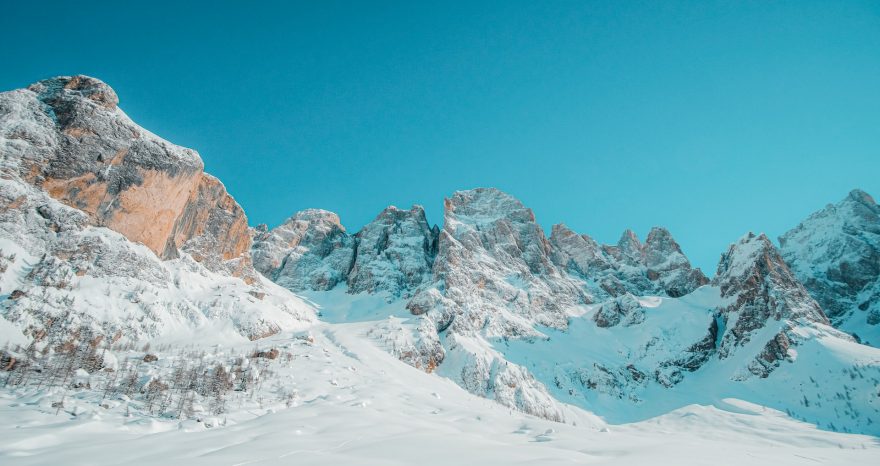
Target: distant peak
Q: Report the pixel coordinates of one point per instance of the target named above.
(483, 205)
(316, 216)
(629, 240)
(658, 234)
(861, 197)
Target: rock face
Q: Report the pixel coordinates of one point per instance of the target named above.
(836, 254)
(493, 278)
(310, 251)
(108, 228)
(763, 294)
(67, 136)
(657, 267)
(395, 253)
(625, 308)
(494, 264)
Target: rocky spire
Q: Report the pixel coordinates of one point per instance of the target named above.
(668, 266)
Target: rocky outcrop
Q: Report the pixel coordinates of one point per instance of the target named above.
(493, 278)
(836, 254)
(494, 269)
(761, 293)
(67, 136)
(625, 308)
(668, 267)
(657, 267)
(309, 251)
(108, 229)
(395, 253)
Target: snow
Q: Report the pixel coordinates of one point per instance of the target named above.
(356, 404)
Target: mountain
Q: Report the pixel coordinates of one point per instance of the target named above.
(131, 283)
(529, 321)
(656, 267)
(836, 254)
(108, 228)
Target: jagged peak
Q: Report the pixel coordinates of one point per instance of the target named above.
(861, 197)
(395, 213)
(747, 253)
(630, 244)
(561, 228)
(80, 85)
(658, 234)
(315, 216)
(485, 205)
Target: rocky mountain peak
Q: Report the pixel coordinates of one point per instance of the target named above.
(579, 254)
(835, 252)
(667, 264)
(483, 206)
(309, 251)
(80, 86)
(760, 292)
(861, 197)
(67, 136)
(395, 252)
(91, 201)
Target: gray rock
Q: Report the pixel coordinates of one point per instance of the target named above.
(836, 254)
(395, 253)
(309, 251)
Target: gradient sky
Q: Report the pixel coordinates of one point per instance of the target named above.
(710, 118)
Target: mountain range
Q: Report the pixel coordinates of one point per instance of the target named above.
(112, 237)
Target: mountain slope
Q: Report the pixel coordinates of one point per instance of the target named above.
(621, 330)
(836, 254)
(109, 229)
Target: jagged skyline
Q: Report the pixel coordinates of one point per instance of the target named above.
(707, 121)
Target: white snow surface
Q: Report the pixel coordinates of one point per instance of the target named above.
(354, 403)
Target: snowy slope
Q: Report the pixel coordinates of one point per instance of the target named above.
(353, 403)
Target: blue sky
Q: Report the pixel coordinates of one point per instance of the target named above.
(709, 118)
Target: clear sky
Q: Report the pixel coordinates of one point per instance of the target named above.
(709, 118)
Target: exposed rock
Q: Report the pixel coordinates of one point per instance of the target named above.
(493, 278)
(657, 267)
(310, 251)
(7, 361)
(668, 266)
(67, 136)
(395, 253)
(761, 292)
(494, 264)
(91, 204)
(150, 357)
(836, 254)
(624, 308)
(270, 354)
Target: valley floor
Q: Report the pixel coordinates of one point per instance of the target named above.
(353, 403)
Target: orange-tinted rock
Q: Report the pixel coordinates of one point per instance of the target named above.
(97, 160)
